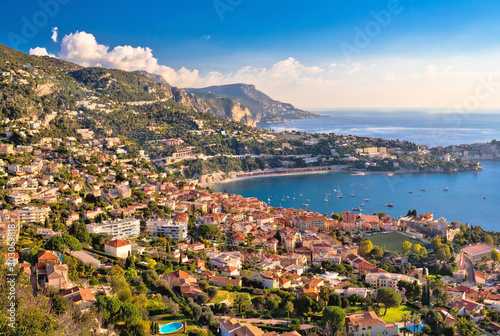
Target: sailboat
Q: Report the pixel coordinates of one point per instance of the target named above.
(283, 199)
(339, 193)
(328, 193)
(352, 194)
(326, 198)
(268, 198)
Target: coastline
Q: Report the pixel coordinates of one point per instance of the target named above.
(339, 171)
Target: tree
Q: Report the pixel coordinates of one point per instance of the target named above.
(334, 299)
(405, 318)
(416, 319)
(488, 240)
(495, 256)
(334, 318)
(288, 309)
(60, 304)
(149, 276)
(212, 292)
(436, 243)
(365, 247)
(203, 284)
(406, 247)
(388, 297)
(241, 300)
(377, 252)
(443, 253)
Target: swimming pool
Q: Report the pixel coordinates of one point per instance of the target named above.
(171, 327)
(417, 329)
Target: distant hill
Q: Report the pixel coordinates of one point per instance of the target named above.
(33, 86)
(262, 107)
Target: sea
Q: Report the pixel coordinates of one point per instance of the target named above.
(471, 197)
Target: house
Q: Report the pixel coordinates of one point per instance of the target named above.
(230, 271)
(56, 276)
(360, 324)
(268, 280)
(231, 327)
(467, 307)
(118, 248)
(79, 296)
(447, 318)
(86, 258)
(224, 281)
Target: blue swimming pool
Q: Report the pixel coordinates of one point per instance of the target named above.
(171, 327)
(417, 328)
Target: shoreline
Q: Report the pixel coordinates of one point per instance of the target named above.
(341, 171)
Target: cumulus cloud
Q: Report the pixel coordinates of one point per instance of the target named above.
(401, 82)
(38, 51)
(54, 34)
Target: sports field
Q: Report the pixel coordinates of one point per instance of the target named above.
(392, 241)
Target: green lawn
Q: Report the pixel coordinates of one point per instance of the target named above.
(392, 241)
(393, 314)
(223, 295)
(167, 318)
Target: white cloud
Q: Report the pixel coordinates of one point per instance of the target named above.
(38, 51)
(393, 82)
(54, 34)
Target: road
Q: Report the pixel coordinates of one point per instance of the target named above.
(469, 267)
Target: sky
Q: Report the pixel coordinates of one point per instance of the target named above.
(314, 54)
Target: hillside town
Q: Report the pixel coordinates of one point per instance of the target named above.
(138, 249)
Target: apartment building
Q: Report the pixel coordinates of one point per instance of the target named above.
(390, 280)
(119, 229)
(32, 214)
(307, 222)
(164, 227)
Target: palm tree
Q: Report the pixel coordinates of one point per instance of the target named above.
(405, 317)
(438, 318)
(288, 308)
(416, 319)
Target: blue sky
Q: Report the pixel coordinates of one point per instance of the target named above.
(263, 41)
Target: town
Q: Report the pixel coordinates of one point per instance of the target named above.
(115, 239)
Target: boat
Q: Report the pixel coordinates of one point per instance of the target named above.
(390, 205)
(367, 200)
(358, 174)
(305, 204)
(326, 198)
(329, 193)
(390, 174)
(446, 189)
(294, 198)
(352, 184)
(268, 198)
(352, 194)
(361, 205)
(308, 200)
(410, 192)
(339, 193)
(300, 194)
(288, 197)
(423, 189)
(356, 209)
(419, 195)
(283, 199)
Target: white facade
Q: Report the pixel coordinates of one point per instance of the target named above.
(120, 229)
(163, 228)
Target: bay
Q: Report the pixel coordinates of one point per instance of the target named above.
(465, 201)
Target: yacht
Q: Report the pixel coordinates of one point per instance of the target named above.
(352, 194)
(361, 205)
(446, 189)
(410, 192)
(283, 199)
(390, 205)
(339, 193)
(423, 189)
(305, 204)
(356, 209)
(367, 200)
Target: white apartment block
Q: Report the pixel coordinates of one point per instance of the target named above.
(119, 229)
(33, 214)
(164, 227)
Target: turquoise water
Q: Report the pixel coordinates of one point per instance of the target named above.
(417, 329)
(427, 127)
(463, 202)
(171, 327)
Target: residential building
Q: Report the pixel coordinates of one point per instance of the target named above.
(390, 280)
(362, 324)
(33, 214)
(308, 222)
(118, 248)
(79, 296)
(163, 228)
(120, 228)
